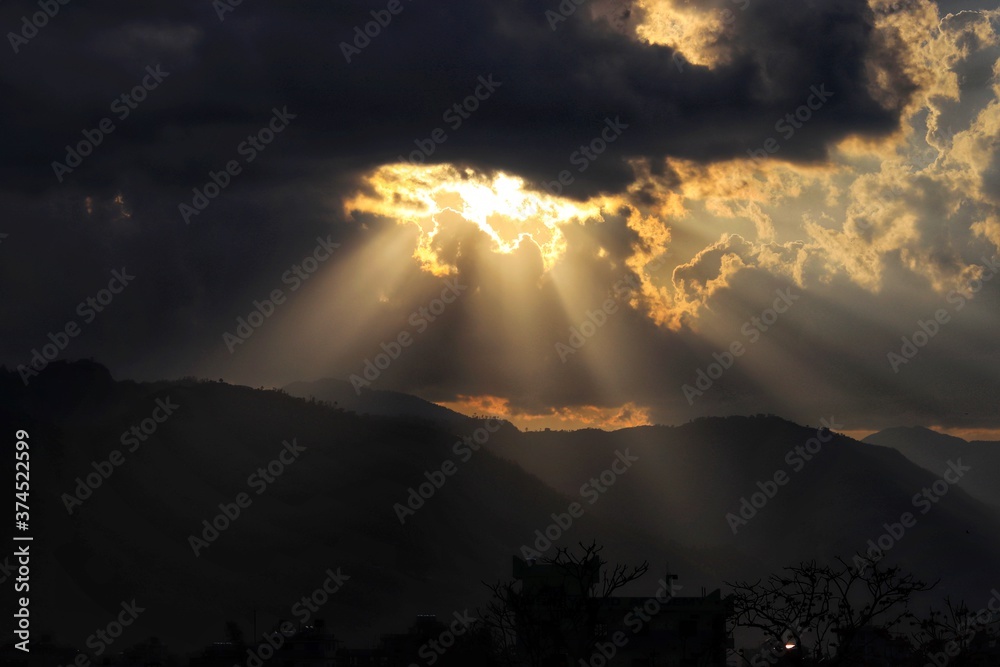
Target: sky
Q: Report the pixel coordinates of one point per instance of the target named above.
(601, 214)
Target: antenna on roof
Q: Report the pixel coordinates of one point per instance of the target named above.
(668, 580)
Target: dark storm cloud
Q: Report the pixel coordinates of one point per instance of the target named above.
(557, 86)
(225, 77)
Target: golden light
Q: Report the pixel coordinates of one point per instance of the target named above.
(432, 197)
(575, 417)
(970, 434)
(692, 31)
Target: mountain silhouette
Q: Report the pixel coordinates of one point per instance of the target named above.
(336, 505)
(689, 478)
(932, 451)
(376, 401)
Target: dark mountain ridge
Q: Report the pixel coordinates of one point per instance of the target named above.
(331, 507)
(334, 506)
(932, 451)
(376, 402)
(692, 478)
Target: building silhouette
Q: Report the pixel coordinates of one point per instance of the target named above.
(559, 605)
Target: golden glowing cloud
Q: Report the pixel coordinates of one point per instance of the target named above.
(689, 29)
(723, 191)
(431, 197)
(565, 418)
(916, 197)
(925, 52)
(970, 434)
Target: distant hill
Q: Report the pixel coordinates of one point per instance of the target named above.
(688, 478)
(332, 508)
(932, 451)
(376, 402)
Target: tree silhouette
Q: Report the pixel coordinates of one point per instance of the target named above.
(534, 624)
(822, 609)
(955, 633)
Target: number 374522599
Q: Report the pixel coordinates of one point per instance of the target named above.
(22, 476)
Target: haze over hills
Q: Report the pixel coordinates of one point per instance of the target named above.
(833, 501)
(445, 284)
(932, 450)
(334, 506)
(375, 401)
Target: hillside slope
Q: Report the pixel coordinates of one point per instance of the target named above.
(331, 507)
(690, 481)
(932, 451)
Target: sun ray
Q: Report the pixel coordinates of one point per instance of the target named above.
(498, 204)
